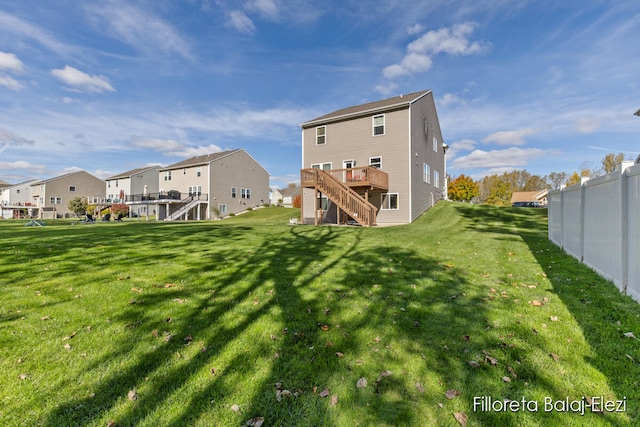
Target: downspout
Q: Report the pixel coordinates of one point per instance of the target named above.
(302, 189)
(410, 169)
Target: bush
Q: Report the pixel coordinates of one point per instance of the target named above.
(297, 201)
(232, 214)
(249, 209)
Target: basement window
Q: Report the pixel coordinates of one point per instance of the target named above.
(389, 201)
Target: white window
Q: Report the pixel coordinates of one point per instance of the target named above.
(378, 125)
(321, 135)
(426, 172)
(222, 209)
(198, 170)
(375, 162)
(116, 183)
(323, 166)
(234, 192)
(72, 188)
(436, 179)
(426, 127)
(245, 193)
(167, 175)
(389, 201)
(195, 190)
(55, 200)
(435, 144)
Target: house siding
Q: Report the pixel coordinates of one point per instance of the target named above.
(425, 195)
(86, 185)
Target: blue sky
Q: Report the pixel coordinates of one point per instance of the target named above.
(109, 86)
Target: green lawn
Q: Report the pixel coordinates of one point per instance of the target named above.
(219, 323)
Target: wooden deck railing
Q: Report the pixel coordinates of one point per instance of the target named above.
(366, 176)
(344, 197)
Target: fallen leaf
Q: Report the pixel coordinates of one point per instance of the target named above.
(324, 393)
(324, 327)
(554, 356)
(474, 364)
(111, 424)
(334, 400)
(461, 418)
(235, 408)
(362, 383)
(506, 379)
(255, 422)
(45, 318)
(629, 335)
(330, 344)
(178, 300)
(67, 346)
(492, 360)
(384, 374)
(377, 339)
(420, 387)
(281, 394)
(132, 395)
(169, 285)
(452, 393)
(536, 303)
(138, 290)
(339, 354)
(22, 376)
(630, 358)
(512, 372)
(554, 318)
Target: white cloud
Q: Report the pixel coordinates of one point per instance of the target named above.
(10, 83)
(386, 89)
(451, 41)
(82, 81)
(464, 145)
(508, 158)
(267, 8)
(449, 99)
(415, 29)
(171, 147)
(23, 165)
(587, 125)
(141, 29)
(241, 22)
(513, 137)
(10, 62)
(11, 24)
(10, 138)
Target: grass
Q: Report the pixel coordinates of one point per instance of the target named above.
(207, 323)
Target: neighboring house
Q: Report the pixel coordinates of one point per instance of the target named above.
(49, 198)
(210, 186)
(382, 162)
(288, 194)
(276, 197)
(134, 187)
(530, 198)
(15, 199)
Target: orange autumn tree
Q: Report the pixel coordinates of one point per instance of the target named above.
(463, 189)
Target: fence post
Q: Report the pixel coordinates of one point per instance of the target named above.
(624, 211)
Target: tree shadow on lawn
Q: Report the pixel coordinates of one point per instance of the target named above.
(379, 303)
(601, 311)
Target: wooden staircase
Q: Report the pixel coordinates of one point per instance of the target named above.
(347, 199)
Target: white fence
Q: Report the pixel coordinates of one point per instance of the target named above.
(598, 222)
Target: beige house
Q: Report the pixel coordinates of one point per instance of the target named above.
(49, 198)
(135, 188)
(378, 163)
(530, 198)
(210, 186)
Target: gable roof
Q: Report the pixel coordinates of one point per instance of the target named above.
(289, 191)
(199, 160)
(397, 102)
(132, 172)
(44, 181)
(4, 184)
(528, 196)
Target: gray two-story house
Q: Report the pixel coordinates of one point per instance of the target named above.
(383, 162)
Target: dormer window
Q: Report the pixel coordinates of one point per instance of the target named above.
(321, 135)
(378, 125)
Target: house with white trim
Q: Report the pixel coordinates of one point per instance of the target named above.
(382, 162)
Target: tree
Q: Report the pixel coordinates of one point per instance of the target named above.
(463, 189)
(611, 161)
(557, 179)
(500, 194)
(78, 205)
(297, 201)
(574, 179)
(119, 208)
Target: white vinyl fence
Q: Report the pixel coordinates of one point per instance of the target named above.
(598, 222)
